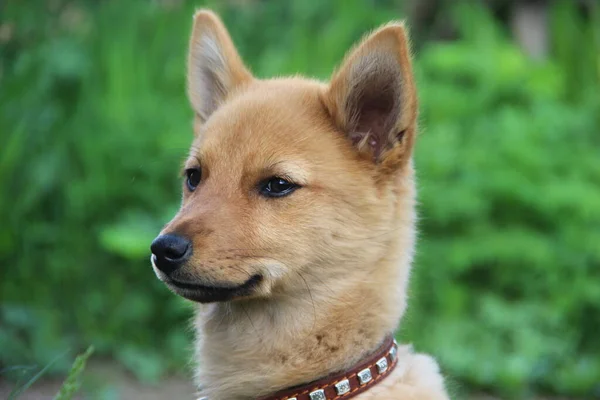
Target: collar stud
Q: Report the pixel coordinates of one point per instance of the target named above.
(342, 387)
(318, 395)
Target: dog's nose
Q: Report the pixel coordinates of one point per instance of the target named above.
(170, 252)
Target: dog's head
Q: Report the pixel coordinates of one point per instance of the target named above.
(288, 179)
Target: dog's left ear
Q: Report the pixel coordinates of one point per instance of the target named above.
(372, 96)
(215, 69)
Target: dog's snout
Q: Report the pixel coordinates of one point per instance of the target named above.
(170, 252)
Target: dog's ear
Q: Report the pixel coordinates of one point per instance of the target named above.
(215, 69)
(372, 96)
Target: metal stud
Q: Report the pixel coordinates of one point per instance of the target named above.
(291, 398)
(364, 376)
(317, 395)
(342, 387)
(382, 365)
(393, 353)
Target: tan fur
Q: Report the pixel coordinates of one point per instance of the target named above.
(335, 255)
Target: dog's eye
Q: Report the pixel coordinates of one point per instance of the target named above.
(193, 178)
(277, 187)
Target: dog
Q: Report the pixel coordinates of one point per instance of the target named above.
(297, 225)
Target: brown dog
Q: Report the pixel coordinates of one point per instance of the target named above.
(297, 226)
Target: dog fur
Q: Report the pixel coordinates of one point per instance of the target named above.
(334, 256)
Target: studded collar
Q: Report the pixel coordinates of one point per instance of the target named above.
(347, 384)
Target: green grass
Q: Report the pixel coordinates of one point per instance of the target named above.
(69, 388)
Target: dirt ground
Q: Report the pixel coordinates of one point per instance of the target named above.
(172, 388)
(108, 381)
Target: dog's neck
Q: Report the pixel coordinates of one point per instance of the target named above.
(248, 349)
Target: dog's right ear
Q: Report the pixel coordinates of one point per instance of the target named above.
(215, 69)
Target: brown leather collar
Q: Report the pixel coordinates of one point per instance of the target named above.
(348, 384)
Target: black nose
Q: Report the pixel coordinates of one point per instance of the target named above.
(170, 252)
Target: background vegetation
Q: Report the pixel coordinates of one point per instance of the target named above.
(94, 124)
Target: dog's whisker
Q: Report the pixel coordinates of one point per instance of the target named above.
(258, 335)
(311, 299)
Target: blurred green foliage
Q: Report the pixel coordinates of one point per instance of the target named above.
(94, 124)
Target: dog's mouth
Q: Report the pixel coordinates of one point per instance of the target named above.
(202, 293)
